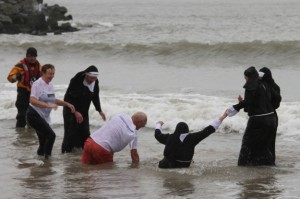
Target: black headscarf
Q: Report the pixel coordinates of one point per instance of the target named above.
(174, 141)
(275, 89)
(80, 75)
(91, 68)
(181, 128)
(252, 81)
(267, 75)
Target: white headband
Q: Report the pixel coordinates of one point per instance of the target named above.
(92, 74)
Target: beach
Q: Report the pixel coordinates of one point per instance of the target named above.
(176, 61)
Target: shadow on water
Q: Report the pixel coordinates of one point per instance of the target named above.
(39, 176)
(178, 186)
(265, 187)
(25, 137)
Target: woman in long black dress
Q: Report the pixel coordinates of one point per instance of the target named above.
(257, 102)
(83, 89)
(276, 99)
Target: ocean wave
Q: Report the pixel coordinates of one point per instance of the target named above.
(89, 24)
(278, 53)
(165, 48)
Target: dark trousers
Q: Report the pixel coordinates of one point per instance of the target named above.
(22, 103)
(44, 132)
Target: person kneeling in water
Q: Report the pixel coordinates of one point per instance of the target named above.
(180, 145)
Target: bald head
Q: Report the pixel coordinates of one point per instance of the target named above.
(139, 119)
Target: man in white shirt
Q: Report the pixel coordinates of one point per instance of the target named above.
(118, 132)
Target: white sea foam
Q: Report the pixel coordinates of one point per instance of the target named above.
(196, 110)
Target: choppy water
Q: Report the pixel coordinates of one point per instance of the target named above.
(177, 61)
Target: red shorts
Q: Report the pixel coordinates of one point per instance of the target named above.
(93, 153)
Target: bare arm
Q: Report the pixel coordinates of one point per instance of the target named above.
(134, 156)
(64, 103)
(102, 114)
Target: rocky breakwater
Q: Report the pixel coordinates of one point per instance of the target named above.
(33, 17)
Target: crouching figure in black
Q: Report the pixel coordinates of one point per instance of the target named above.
(180, 145)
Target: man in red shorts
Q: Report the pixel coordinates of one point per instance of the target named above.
(118, 132)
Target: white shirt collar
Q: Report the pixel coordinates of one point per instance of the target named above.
(90, 86)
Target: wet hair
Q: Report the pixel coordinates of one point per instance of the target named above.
(46, 67)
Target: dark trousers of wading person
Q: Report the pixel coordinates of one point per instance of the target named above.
(22, 104)
(43, 130)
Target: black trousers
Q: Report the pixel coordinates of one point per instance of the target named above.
(43, 130)
(22, 103)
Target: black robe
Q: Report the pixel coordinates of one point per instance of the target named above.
(276, 100)
(81, 97)
(178, 154)
(255, 149)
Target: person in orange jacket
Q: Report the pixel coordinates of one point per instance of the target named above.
(25, 72)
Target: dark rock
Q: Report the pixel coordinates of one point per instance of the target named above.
(66, 27)
(5, 19)
(9, 9)
(33, 17)
(57, 32)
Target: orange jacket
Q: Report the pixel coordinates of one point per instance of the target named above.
(24, 74)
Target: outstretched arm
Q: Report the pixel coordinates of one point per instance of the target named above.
(221, 118)
(60, 102)
(201, 135)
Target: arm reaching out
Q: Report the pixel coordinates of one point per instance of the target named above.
(223, 116)
(217, 122)
(231, 111)
(159, 124)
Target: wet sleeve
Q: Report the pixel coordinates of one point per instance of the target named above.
(231, 111)
(73, 92)
(276, 97)
(133, 143)
(14, 74)
(239, 106)
(248, 100)
(96, 98)
(35, 91)
(160, 137)
(201, 135)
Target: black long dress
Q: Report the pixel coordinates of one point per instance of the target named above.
(255, 149)
(276, 99)
(81, 97)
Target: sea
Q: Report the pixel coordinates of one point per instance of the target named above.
(175, 60)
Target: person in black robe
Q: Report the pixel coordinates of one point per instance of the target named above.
(266, 76)
(180, 145)
(83, 89)
(257, 102)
